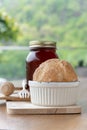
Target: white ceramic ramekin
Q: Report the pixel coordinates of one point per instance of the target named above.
(54, 93)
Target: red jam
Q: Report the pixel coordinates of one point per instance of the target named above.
(37, 55)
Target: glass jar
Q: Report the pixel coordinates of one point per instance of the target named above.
(40, 51)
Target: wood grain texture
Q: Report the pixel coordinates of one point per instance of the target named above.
(13, 98)
(29, 108)
(42, 122)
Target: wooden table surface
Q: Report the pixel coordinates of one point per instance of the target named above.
(47, 122)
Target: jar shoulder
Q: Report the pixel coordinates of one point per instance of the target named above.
(41, 55)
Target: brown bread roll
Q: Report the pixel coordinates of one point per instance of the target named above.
(55, 70)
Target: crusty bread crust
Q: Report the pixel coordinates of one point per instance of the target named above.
(55, 70)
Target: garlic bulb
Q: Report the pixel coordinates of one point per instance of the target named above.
(7, 88)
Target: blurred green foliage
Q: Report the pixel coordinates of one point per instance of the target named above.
(12, 64)
(64, 21)
(9, 29)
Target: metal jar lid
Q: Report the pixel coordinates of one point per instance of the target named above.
(36, 44)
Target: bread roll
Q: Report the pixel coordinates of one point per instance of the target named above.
(55, 70)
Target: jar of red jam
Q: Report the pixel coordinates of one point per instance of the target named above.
(40, 51)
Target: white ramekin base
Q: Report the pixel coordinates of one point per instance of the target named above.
(53, 94)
